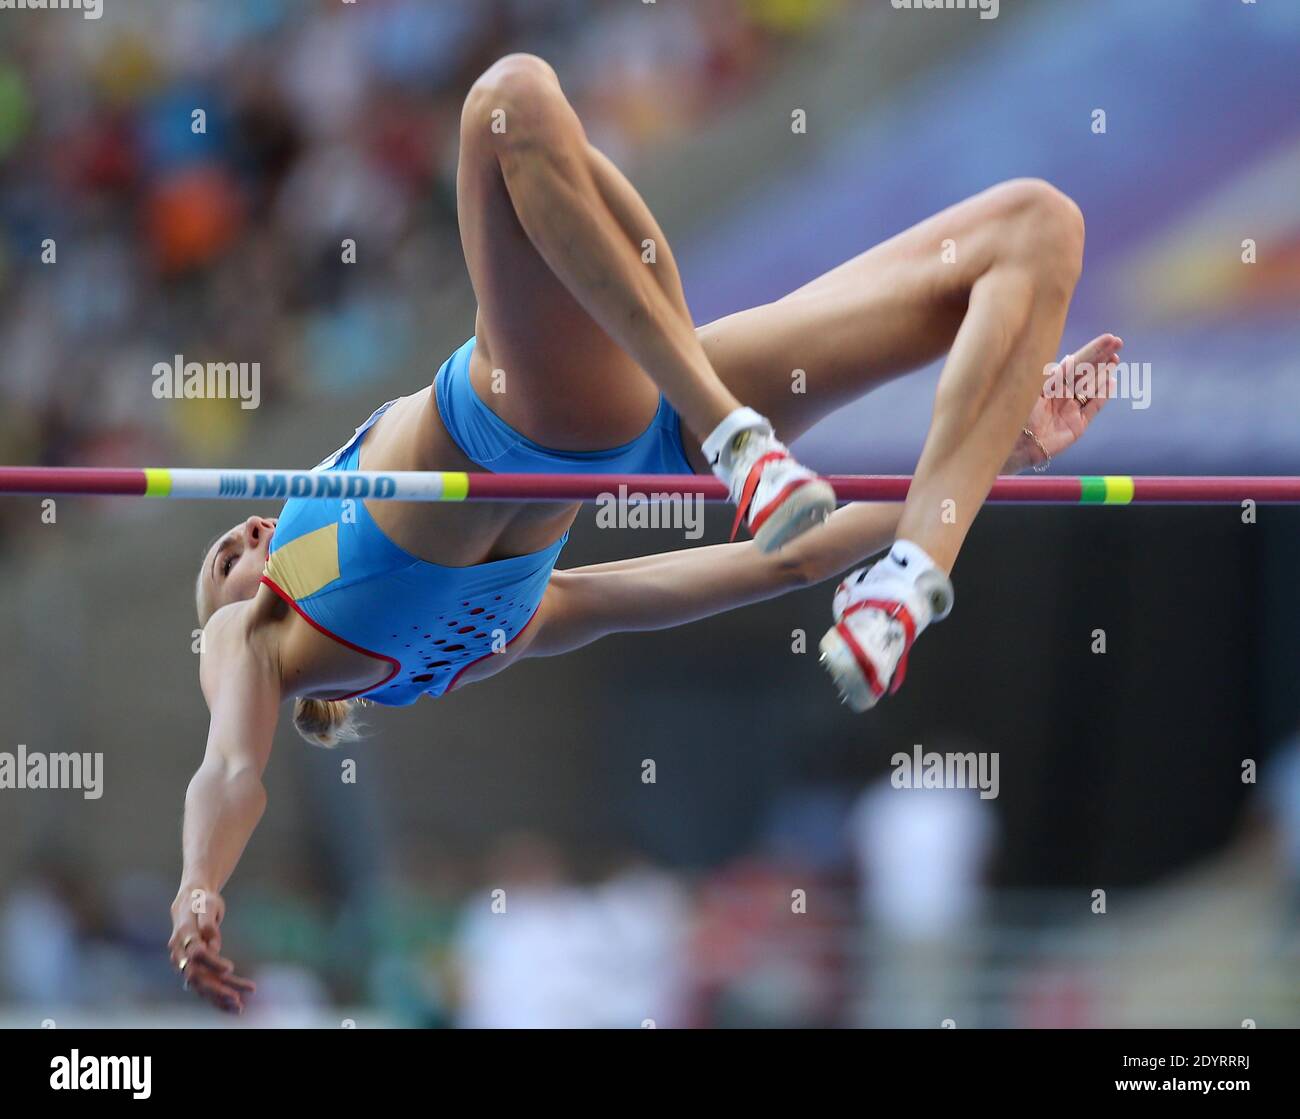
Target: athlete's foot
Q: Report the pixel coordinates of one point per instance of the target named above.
(879, 613)
(776, 497)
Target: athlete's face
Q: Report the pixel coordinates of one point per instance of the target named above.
(233, 566)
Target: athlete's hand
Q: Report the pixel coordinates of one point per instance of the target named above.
(195, 948)
(1059, 417)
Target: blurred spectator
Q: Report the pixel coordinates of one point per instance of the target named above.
(549, 953)
(1281, 799)
(763, 951)
(922, 856)
(47, 922)
(39, 934)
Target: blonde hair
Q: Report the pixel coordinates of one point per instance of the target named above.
(327, 722)
(322, 722)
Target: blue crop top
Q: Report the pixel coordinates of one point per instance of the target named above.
(337, 568)
(428, 623)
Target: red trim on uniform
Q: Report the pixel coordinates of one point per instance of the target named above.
(466, 667)
(397, 665)
(751, 486)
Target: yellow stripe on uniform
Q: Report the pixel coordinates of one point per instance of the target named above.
(306, 565)
(455, 485)
(157, 481)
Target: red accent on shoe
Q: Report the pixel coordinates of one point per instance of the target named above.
(751, 484)
(864, 662)
(776, 502)
(894, 610)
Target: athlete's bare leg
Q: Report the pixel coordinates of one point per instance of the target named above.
(580, 305)
(995, 302)
(989, 281)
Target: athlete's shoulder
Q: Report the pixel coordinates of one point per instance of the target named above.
(243, 627)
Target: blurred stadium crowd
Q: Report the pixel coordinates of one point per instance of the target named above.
(874, 910)
(221, 240)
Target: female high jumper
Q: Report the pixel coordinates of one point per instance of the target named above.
(584, 359)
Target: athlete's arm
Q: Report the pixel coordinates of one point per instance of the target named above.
(585, 604)
(224, 801)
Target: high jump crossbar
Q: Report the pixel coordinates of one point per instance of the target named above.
(279, 485)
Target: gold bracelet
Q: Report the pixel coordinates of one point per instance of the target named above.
(1047, 459)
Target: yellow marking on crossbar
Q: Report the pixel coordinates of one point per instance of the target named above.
(157, 481)
(455, 485)
(1119, 489)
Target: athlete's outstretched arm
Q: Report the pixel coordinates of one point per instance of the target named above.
(585, 604)
(224, 802)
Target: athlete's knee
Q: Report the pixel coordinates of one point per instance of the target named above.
(519, 76)
(1043, 227)
(512, 100)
